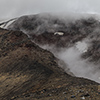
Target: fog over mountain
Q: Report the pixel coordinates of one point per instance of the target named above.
(16, 8)
(66, 9)
(49, 46)
(80, 38)
(69, 11)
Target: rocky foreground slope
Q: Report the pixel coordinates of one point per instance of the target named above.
(28, 72)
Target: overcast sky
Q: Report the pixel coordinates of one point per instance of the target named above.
(14, 8)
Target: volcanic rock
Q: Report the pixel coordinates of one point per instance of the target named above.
(26, 70)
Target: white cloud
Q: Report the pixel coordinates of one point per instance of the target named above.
(13, 8)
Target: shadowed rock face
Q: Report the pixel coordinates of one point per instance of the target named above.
(25, 68)
(22, 63)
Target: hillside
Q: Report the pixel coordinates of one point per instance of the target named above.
(28, 72)
(77, 45)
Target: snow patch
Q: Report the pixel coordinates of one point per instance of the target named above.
(82, 46)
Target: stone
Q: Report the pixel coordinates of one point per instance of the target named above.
(83, 98)
(73, 96)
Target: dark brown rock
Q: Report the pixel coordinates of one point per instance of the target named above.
(27, 69)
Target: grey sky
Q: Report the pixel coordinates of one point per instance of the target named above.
(14, 8)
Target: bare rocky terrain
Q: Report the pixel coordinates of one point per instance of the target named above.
(28, 72)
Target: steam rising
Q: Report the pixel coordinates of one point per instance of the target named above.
(72, 55)
(74, 62)
(78, 66)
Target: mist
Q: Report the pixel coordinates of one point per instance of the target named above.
(16, 8)
(78, 66)
(73, 63)
(71, 54)
(68, 10)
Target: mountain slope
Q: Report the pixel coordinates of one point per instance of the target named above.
(28, 72)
